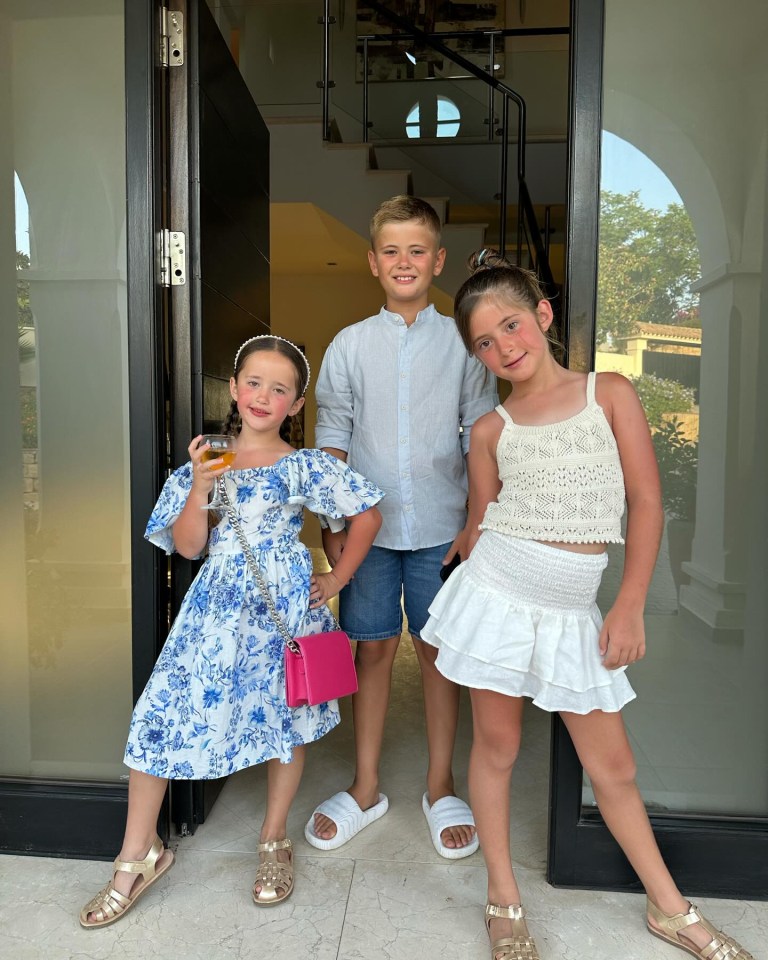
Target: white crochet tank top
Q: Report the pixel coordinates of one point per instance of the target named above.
(560, 481)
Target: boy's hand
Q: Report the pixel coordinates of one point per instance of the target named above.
(322, 587)
(333, 545)
(462, 544)
(622, 639)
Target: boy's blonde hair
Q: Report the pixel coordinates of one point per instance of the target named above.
(401, 209)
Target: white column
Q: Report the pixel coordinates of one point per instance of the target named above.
(714, 600)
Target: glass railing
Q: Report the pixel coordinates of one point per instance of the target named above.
(396, 89)
(403, 86)
(277, 48)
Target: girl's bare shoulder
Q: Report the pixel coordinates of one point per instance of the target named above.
(613, 388)
(486, 429)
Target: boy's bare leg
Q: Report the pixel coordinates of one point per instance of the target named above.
(441, 711)
(373, 660)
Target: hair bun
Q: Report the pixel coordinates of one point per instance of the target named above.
(486, 259)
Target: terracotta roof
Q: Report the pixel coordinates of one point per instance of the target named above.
(667, 331)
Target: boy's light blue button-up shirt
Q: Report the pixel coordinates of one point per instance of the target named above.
(401, 400)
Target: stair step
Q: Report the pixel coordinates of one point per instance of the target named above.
(440, 205)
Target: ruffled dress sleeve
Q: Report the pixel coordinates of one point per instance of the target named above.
(331, 489)
(169, 505)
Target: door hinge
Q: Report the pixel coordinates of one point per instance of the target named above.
(173, 261)
(171, 37)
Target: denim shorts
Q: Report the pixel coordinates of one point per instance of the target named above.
(370, 605)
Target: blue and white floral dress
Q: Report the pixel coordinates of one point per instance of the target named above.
(215, 702)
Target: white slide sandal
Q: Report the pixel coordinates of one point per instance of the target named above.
(449, 812)
(348, 817)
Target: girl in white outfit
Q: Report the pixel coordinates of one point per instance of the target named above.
(550, 471)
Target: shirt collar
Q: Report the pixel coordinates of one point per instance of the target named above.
(426, 314)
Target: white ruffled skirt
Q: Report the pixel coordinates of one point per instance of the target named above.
(520, 618)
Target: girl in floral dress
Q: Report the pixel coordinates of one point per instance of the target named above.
(215, 702)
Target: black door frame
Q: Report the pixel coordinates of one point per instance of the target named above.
(581, 851)
(147, 95)
(187, 798)
(217, 140)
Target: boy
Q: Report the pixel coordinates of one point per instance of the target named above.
(392, 393)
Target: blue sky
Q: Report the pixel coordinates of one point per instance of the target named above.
(625, 168)
(22, 217)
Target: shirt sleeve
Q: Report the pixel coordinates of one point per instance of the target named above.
(169, 505)
(332, 490)
(479, 396)
(335, 405)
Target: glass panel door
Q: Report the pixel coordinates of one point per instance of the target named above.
(681, 311)
(83, 400)
(64, 484)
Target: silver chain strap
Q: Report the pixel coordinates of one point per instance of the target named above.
(253, 563)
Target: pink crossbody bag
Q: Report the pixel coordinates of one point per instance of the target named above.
(318, 667)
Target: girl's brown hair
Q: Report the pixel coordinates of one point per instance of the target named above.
(493, 277)
(232, 423)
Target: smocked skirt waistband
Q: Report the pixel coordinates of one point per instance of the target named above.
(520, 618)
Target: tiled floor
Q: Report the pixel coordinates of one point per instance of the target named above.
(386, 894)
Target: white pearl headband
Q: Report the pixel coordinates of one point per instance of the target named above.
(274, 336)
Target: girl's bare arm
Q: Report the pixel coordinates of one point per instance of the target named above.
(623, 636)
(361, 532)
(484, 483)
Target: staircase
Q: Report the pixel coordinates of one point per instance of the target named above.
(343, 180)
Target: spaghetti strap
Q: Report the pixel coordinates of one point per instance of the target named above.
(503, 414)
(591, 387)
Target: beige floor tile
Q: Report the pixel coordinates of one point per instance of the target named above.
(386, 893)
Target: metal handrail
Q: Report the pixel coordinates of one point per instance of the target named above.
(540, 246)
(463, 34)
(326, 83)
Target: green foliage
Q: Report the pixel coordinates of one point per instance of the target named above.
(23, 310)
(678, 459)
(661, 397)
(676, 455)
(648, 261)
(29, 418)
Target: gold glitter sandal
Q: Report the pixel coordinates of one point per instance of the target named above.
(721, 947)
(273, 875)
(108, 905)
(520, 945)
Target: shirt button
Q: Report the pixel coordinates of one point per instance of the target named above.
(404, 473)
(403, 440)
(403, 406)
(407, 507)
(403, 376)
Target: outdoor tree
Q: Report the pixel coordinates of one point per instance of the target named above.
(25, 322)
(659, 397)
(23, 311)
(648, 260)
